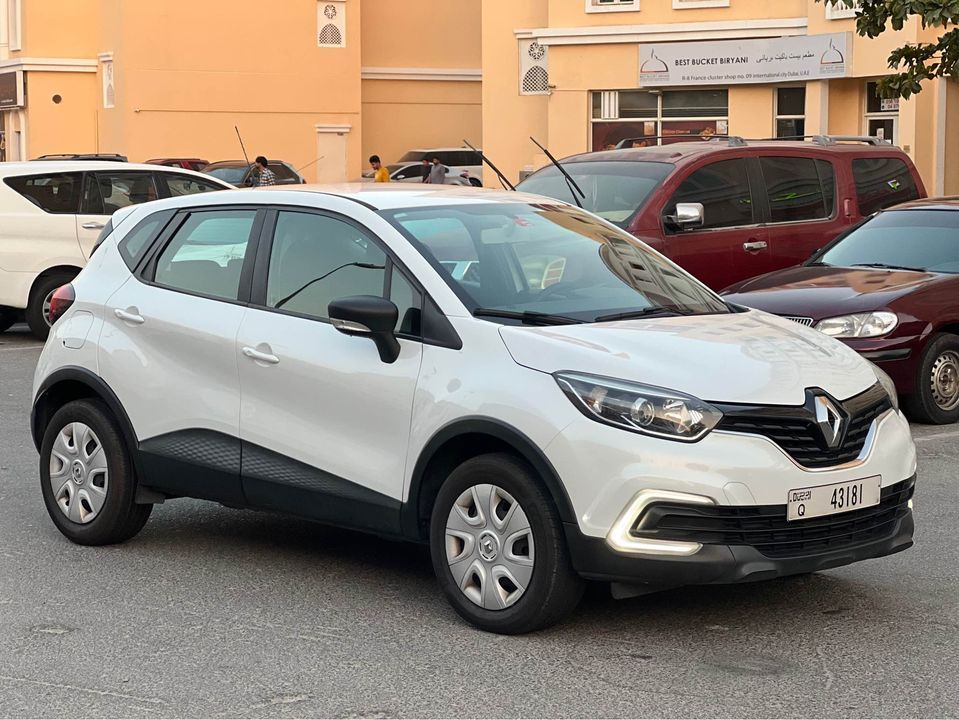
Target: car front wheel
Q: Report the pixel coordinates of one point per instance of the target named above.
(498, 548)
(87, 477)
(936, 400)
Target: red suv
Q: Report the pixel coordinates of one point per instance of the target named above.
(727, 210)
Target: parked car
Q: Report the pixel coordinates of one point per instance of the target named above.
(413, 173)
(519, 425)
(102, 157)
(729, 210)
(51, 213)
(890, 290)
(185, 163)
(240, 174)
(458, 160)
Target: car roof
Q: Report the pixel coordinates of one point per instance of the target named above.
(439, 149)
(678, 152)
(244, 163)
(935, 203)
(40, 167)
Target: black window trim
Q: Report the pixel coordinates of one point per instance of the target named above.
(764, 190)
(265, 250)
(146, 269)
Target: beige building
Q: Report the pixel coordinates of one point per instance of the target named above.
(584, 74)
(325, 83)
(321, 84)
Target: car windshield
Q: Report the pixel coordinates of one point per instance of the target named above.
(615, 190)
(550, 260)
(911, 239)
(232, 174)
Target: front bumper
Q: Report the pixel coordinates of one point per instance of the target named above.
(719, 564)
(899, 357)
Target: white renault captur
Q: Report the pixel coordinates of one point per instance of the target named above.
(569, 405)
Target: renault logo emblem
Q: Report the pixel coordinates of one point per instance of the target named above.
(829, 420)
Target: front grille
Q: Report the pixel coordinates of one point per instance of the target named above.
(807, 321)
(765, 527)
(795, 430)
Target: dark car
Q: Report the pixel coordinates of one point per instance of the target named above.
(728, 209)
(186, 163)
(889, 289)
(239, 173)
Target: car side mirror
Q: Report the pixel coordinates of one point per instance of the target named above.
(688, 215)
(368, 316)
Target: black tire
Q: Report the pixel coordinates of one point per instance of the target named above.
(8, 316)
(922, 405)
(119, 518)
(554, 588)
(43, 287)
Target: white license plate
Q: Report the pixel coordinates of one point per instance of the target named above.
(813, 502)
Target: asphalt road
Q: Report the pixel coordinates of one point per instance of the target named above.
(212, 612)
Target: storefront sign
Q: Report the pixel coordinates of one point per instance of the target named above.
(733, 62)
(889, 105)
(11, 89)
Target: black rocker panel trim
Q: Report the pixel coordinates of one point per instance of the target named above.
(197, 463)
(273, 481)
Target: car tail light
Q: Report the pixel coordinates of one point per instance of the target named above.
(61, 301)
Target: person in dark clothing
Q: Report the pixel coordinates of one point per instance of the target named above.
(426, 170)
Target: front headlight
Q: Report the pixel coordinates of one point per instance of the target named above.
(888, 385)
(861, 325)
(640, 408)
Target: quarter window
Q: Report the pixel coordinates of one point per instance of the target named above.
(178, 185)
(723, 190)
(795, 189)
(133, 245)
(318, 259)
(206, 254)
(57, 194)
(882, 182)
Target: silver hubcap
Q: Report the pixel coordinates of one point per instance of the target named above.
(78, 472)
(489, 547)
(945, 380)
(46, 307)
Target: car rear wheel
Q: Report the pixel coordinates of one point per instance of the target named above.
(498, 548)
(87, 477)
(38, 309)
(936, 400)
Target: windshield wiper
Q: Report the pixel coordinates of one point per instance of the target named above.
(886, 266)
(818, 263)
(570, 183)
(645, 312)
(528, 317)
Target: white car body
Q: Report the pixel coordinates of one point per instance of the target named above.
(34, 242)
(186, 370)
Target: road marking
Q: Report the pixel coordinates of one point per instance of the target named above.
(77, 688)
(937, 436)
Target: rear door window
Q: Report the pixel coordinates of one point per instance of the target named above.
(723, 189)
(282, 172)
(796, 189)
(177, 185)
(107, 192)
(882, 182)
(57, 193)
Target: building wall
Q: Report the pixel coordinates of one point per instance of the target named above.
(951, 174)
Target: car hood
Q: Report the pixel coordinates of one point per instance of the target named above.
(748, 357)
(820, 292)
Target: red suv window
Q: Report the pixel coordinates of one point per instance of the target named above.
(881, 183)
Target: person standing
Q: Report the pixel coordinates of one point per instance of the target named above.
(426, 170)
(438, 172)
(380, 174)
(263, 176)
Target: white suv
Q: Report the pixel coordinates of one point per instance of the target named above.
(51, 213)
(571, 405)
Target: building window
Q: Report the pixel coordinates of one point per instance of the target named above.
(593, 6)
(791, 112)
(331, 23)
(640, 118)
(533, 68)
(690, 4)
(843, 10)
(882, 115)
